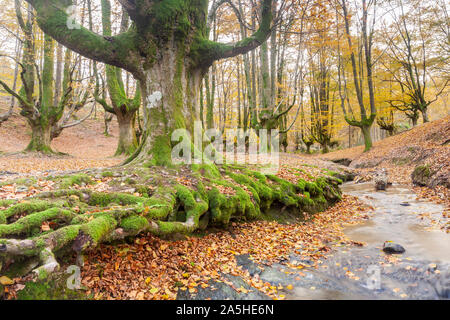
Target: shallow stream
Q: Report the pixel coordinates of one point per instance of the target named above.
(421, 272)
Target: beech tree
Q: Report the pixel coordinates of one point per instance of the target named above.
(40, 113)
(362, 69)
(166, 49)
(123, 107)
(414, 58)
(40, 103)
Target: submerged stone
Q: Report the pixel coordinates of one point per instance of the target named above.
(393, 248)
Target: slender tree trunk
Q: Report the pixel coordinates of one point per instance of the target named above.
(58, 78)
(107, 119)
(367, 137)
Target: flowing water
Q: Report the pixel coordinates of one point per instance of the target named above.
(421, 272)
(398, 220)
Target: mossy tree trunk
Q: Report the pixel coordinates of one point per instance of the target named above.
(367, 117)
(367, 137)
(40, 137)
(41, 127)
(127, 133)
(424, 112)
(47, 114)
(167, 49)
(36, 98)
(179, 86)
(122, 106)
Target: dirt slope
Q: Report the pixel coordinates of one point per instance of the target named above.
(426, 146)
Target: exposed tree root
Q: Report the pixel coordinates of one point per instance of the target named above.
(180, 201)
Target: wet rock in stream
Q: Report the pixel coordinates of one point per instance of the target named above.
(393, 248)
(223, 291)
(405, 204)
(381, 180)
(252, 268)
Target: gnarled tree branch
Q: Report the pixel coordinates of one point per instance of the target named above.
(54, 21)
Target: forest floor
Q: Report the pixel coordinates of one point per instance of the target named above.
(85, 145)
(153, 268)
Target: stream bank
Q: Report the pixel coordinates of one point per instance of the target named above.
(365, 272)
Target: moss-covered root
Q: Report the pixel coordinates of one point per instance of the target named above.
(172, 208)
(154, 216)
(43, 247)
(129, 221)
(48, 263)
(35, 220)
(26, 207)
(194, 204)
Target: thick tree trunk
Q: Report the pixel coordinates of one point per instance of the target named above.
(178, 86)
(127, 134)
(40, 138)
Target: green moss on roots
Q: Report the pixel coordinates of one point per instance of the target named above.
(80, 219)
(77, 179)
